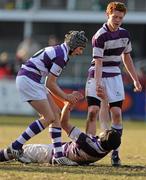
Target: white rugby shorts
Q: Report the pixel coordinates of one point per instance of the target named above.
(30, 90)
(38, 153)
(113, 86)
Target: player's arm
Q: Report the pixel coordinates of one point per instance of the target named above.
(98, 71)
(128, 63)
(65, 116)
(65, 113)
(98, 78)
(72, 131)
(98, 44)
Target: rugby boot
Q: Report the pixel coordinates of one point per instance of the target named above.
(19, 155)
(115, 160)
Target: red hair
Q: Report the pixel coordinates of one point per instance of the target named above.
(118, 6)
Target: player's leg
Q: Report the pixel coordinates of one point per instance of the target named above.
(6, 155)
(39, 153)
(36, 95)
(55, 132)
(55, 129)
(36, 153)
(104, 115)
(93, 106)
(115, 92)
(92, 119)
(116, 118)
(42, 107)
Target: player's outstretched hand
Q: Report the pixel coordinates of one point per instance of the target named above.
(79, 96)
(74, 97)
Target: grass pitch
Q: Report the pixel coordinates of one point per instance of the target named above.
(132, 152)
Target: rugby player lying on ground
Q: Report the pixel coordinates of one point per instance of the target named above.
(82, 150)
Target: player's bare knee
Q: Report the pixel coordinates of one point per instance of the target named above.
(44, 122)
(92, 114)
(116, 117)
(47, 120)
(116, 113)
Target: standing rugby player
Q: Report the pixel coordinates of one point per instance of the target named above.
(111, 45)
(38, 74)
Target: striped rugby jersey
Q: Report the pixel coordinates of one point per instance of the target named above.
(84, 149)
(48, 60)
(109, 46)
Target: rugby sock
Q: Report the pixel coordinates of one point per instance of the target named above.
(55, 133)
(5, 155)
(35, 128)
(118, 128)
(2, 156)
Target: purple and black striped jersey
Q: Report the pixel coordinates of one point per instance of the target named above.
(48, 60)
(109, 46)
(84, 149)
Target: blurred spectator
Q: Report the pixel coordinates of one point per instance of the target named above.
(5, 68)
(52, 40)
(25, 50)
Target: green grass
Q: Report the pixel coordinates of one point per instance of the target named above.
(132, 152)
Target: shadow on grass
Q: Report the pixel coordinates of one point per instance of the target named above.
(126, 170)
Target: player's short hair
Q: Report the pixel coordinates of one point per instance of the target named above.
(118, 6)
(76, 39)
(110, 139)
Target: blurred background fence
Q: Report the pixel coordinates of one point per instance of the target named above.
(28, 25)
